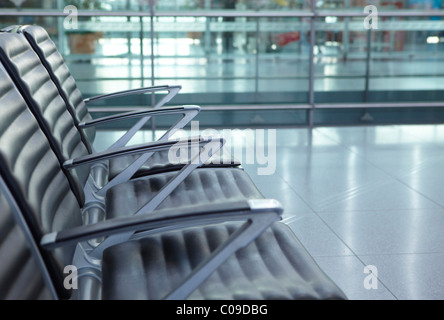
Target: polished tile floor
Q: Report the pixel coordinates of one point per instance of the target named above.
(362, 196)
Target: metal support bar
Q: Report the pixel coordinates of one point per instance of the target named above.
(366, 115)
(380, 105)
(367, 64)
(196, 161)
(127, 173)
(221, 13)
(296, 106)
(256, 78)
(311, 66)
(153, 97)
(142, 54)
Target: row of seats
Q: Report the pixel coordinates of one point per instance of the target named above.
(130, 222)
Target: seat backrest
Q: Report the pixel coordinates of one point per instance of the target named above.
(42, 97)
(33, 175)
(20, 278)
(59, 72)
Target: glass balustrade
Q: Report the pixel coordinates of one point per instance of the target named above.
(309, 60)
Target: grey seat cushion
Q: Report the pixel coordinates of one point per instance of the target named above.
(201, 187)
(274, 266)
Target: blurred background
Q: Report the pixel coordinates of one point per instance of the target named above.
(254, 63)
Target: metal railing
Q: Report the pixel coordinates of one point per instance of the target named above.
(312, 15)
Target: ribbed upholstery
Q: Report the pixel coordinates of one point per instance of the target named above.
(203, 186)
(20, 278)
(44, 100)
(53, 61)
(26, 153)
(33, 173)
(274, 266)
(159, 162)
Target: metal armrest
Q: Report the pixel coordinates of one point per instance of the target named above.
(259, 215)
(92, 193)
(196, 160)
(172, 91)
(188, 112)
(161, 220)
(212, 146)
(151, 147)
(139, 114)
(10, 28)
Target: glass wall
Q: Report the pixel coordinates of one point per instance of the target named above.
(274, 54)
(399, 61)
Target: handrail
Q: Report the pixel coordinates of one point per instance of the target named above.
(358, 12)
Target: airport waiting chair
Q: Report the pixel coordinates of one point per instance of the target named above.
(59, 72)
(175, 252)
(42, 97)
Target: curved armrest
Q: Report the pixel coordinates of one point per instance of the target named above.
(151, 147)
(188, 112)
(165, 219)
(140, 114)
(172, 91)
(258, 216)
(11, 28)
